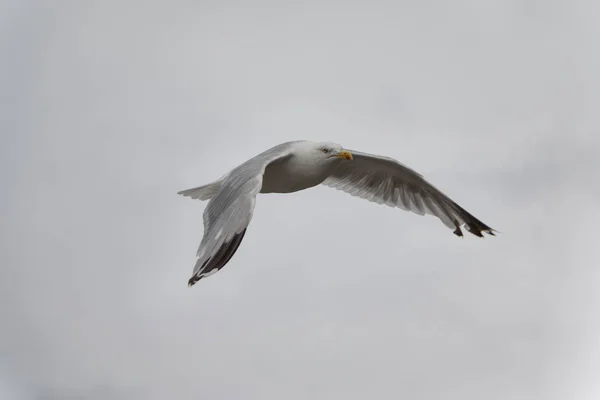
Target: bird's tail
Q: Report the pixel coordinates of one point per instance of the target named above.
(205, 192)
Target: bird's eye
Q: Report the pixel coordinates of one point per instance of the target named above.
(325, 150)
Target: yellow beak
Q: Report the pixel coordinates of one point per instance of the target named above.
(346, 155)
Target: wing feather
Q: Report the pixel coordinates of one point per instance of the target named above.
(384, 180)
(229, 212)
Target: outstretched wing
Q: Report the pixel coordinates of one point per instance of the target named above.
(229, 212)
(386, 181)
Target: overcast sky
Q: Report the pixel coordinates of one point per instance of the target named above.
(110, 107)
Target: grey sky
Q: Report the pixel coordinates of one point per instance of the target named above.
(109, 108)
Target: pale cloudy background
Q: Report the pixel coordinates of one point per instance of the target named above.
(110, 107)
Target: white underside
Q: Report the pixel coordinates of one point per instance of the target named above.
(291, 176)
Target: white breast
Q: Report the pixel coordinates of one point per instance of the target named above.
(293, 174)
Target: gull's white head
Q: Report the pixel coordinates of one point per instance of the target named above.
(325, 152)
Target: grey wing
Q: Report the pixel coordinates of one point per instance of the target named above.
(228, 214)
(386, 181)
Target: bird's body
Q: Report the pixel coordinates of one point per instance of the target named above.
(289, 175)
(293, 166)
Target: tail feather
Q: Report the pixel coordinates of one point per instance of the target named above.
(204, 192)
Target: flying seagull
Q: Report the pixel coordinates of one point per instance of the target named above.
(298, 165)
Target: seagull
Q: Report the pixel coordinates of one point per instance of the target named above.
(293, 166)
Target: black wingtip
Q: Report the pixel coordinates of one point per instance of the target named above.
(192, 281)
(473, 225)
(479, 230)
(220, 258)
(475, 231)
